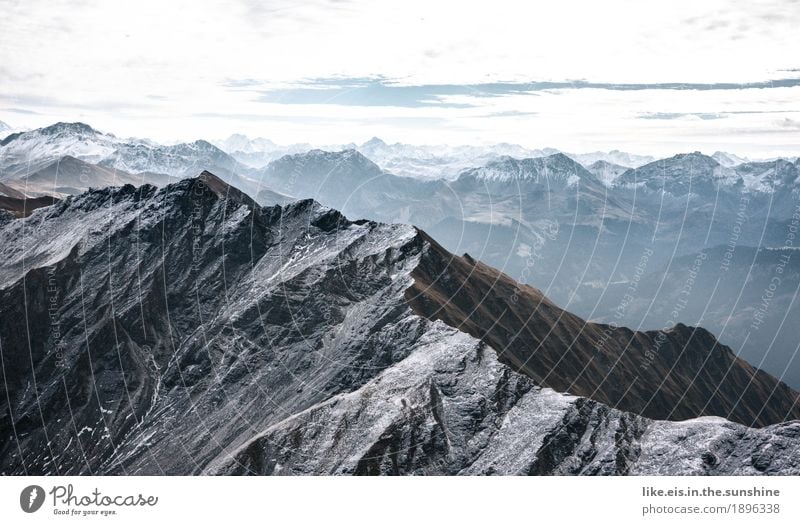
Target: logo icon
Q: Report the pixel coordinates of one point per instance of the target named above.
(31, 498)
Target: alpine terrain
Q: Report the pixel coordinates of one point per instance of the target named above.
(189, 330)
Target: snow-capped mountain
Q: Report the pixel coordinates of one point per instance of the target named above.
(553, 169)
(769, 176)
(440, 161)
(405, 160)
(254, 153)
(681, 174)
(700, 174)
(530, 191)
(238, 143)
(5, 130)
(606, 172)
(447, 162)
(431, 161)
(290, 340)
(729, 160)
(316, 168)
(180, 160)
(258, 152)
(27, 152)
(620, 158)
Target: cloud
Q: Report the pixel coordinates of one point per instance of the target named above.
(363, 91)
(673, 116)
(379, 91)
(511, 113)
(790, 123)
(21, 111)
(574, 75)
(707, 116)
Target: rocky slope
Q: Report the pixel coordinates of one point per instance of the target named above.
(188, 330)
(24, 206)
(451, 408)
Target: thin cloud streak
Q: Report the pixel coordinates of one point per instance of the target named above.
(383, 92)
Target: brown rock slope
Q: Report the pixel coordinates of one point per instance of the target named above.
(676, 374)
(22, 207)
(71, 176)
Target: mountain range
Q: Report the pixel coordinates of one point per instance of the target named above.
(598, 238)
(190, 330)
(418, 161)
(39, 155)
(551, 222)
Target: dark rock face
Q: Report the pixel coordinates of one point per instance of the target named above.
(187, 330)
(175, 305)
(24, 206)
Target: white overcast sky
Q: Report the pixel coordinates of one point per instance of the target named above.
(655, 77)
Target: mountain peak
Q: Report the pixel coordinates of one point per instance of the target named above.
(562, 158)
(603, 164)
(60, 132)
(694, 159)
(337, 158)
(223, 190)
(204, 144)
(373, 142)
(78, 128)
(694, 156)
(681, 174)
(505, 168)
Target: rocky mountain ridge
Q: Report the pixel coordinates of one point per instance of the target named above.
(219, 336)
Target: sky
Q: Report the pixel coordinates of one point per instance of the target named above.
(656, 77)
